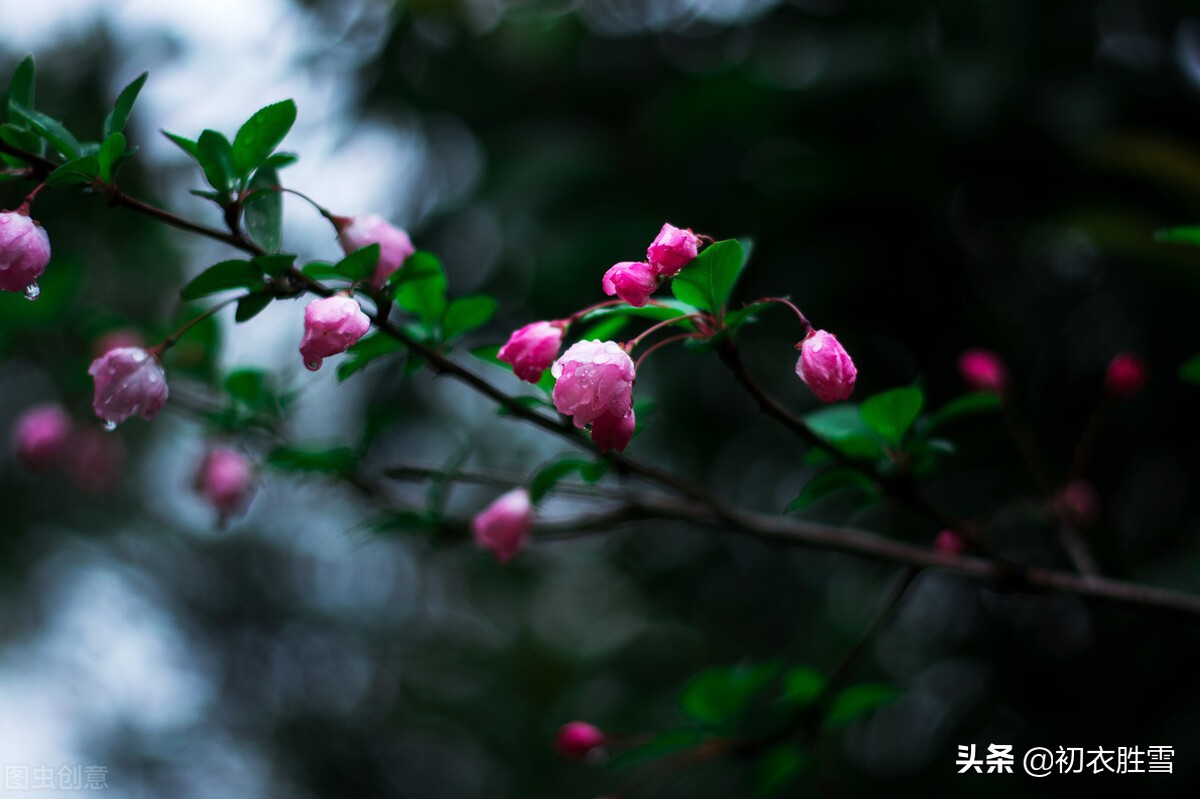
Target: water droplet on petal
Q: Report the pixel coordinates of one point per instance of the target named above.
(32, 292)
(109, 425)
(312, 366)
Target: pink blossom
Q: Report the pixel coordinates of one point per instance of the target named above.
(366, 229)
(672, 250)
(225, 480)
(129, 381)
(503, 527)
(982, 370)
(24, 251)
(95, 459)
(825, 367)
(1125, 376)
(613, 432)
(1078, 504)
(331, 325)
(950, 541)
(595, 386)
(632, 281)
(532, 349)
(578, 739)
(42, 434)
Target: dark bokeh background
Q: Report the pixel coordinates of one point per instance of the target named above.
(921, 177)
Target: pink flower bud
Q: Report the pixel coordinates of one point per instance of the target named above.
(632, 281)
(950, 542)
(674, 249)
(24, 252)
(41, 434)
(532, 349)
(825, 367)
(1078, 504)
(503, 527)
(129, 381)
(982, 370)
(366, 229)
(1125, 376)
(578, 739)
(331, 325)
(594, 380)
(226, 481)
(613, 432)
(95, 459)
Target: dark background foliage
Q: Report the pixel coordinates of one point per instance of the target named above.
(921, 177)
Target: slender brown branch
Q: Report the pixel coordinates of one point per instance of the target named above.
(706, 509)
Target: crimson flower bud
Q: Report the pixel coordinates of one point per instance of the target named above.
(363, 230)
(950, 542)
(503, 527)
(24, 252)
(225, 480)
(578, 739)
(115, 339)
(532, 349)
(632, 281)
(825, 367)
(982, 370)
(95, 460)
(331, 325)
(129, 381)
(1125, 376)
(672, 250)
(42, 434)
(595, 386)
(1078, 504)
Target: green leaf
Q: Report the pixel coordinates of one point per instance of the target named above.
(802, 686)
(116, 119)
(110, 155)
(81, 170)
(553, 473)
(359, 266)
(466, 314)
(49, 129)
(661, 745)
(339, 461)
(183, 143)
(281, 160)
(365, 350)
(605, 329)
(20, 138)
(719, 695)
(1189, 371)
(842, 426)
(828, 482)
(422, 289)
(261, 134)
(858, 700)
(660, 312)
(708, 281)
(274, 265)
(251, 306)
(214, 156)
(892, 413)
(249, 387)
(735, 319)
(776, 768)
(1180, 235)
(962, 406)
(264, 211)
(221, 277)
(20, 88)
(321, 270)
